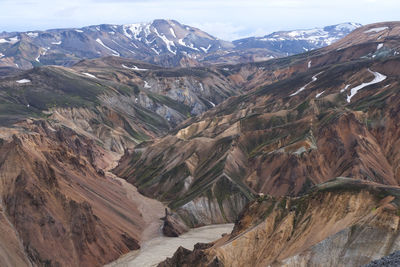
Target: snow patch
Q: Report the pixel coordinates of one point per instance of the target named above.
(167, 42)
(181, 42)
(347, 26)
(314, 78)
(1, 55)
(172, 32)
(135, 30)
(318, 95)
(90, 75)
(378, 78)
(23, 81)
(57, 43)
(309, 64)
(33, 34)
(78, 30)
(11, 40)
(379, 46)
(206, 49)
(146, 84)
(376, 30)
(133, 68)
(211, 103)
(345, 88)
(41, 54)
(102, 44)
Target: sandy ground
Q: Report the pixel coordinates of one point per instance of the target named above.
(158, 249)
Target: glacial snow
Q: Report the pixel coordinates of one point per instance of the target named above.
(378, 78)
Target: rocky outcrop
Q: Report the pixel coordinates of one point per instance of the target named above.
(340, 223)
(173, 225)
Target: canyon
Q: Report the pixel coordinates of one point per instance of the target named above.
(299, 152)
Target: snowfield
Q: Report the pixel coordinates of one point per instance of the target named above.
(378, 78)
(376, 30)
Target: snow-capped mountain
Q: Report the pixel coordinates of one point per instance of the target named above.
(163, 42)
(298, 41)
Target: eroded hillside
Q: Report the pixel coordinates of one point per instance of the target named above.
(343, 222)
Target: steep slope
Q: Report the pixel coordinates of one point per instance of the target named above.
(287, 125)
(59, 203)
(280, 138)
(344, 222)
(67, 126)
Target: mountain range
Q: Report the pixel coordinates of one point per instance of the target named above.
(300, 152)
(163, 42)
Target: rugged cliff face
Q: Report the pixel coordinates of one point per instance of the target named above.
(58, 202)
(344, 222)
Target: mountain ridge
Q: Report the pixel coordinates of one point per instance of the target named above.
(162, 42)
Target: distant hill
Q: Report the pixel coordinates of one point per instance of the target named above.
(163, 42)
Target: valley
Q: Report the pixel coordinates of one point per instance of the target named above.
(109, 159)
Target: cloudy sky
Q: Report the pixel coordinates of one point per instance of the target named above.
(226, 19)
